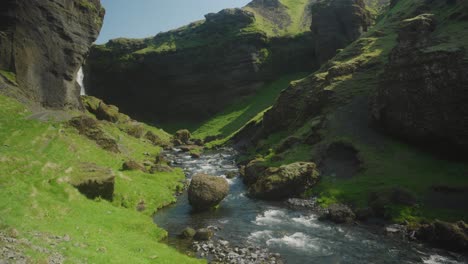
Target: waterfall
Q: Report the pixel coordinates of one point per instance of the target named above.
(79, 79)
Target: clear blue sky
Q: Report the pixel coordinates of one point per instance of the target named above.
(144, 18)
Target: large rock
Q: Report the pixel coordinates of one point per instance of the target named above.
(423, 93)
(45, 42)
(207, 191)
(445, 235)
(286, 181)
(340, 213)
(103, 111)
(182, 136)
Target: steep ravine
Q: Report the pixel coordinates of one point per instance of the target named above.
(190, 74)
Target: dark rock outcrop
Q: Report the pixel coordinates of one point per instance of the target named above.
(423, 93)
(132, 165)
(90, 128)
(340, 214)
(44, 43)
(103, 111)
(207, 191)
(445, 235)
(336, 23)
(284, 182)
(203, 234)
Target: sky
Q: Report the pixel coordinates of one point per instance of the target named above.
(145, 18)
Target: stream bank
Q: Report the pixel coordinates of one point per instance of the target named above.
(293, 232)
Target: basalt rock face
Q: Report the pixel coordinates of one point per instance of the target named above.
(44, 43)
(424, 89)
(337, 23)
(193, 72)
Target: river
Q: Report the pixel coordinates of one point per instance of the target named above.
(296, 234)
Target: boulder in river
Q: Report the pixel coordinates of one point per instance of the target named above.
(187, 233)
(283, 182)
(203, 234)
(451, 236)
(207, 191)
(340, 213)
(182, 136)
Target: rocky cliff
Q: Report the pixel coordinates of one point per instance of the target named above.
(423, 93)
(404, 78)
(44, 43)
(192, 73)
(196, 71)
(337, 23)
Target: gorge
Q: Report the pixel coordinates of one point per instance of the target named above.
(339, 127)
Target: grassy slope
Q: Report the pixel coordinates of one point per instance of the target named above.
(388, 162)
(297, 10)
(236, 115)
(35, 161)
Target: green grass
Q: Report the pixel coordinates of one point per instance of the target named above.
(296, 10)
(10, 76)
(239, 113)
(36, 162)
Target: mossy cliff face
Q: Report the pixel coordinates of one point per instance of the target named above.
(44, 43)
(424, 89)
(193, 72)
(337, 23)
(401, 79)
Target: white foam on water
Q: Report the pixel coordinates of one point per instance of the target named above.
(270, 217)
(230, 181)
(437, 259)
(308, 221)
(297, 240)
(235, 196)
(79, 79)
(258, 236)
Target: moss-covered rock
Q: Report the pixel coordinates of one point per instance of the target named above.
(340, 214)
(90, 128)
(103, 111)
(207, 191)
(187, 233)
(285, 181)
(451, 236)
(132, 165)
(183, 136)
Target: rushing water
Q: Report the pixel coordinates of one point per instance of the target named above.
(297, 235)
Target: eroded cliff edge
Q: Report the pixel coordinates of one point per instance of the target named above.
(43, 45)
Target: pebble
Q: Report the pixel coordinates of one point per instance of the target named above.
(220, 251)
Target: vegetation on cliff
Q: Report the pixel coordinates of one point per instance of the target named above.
(331, 126)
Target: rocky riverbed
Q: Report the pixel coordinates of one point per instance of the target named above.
(260, 230)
